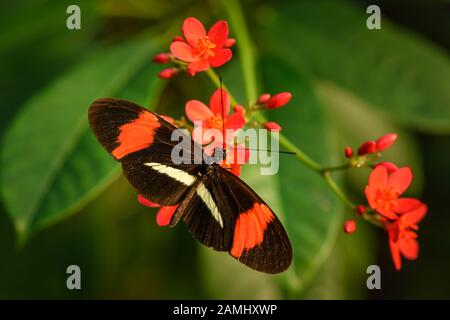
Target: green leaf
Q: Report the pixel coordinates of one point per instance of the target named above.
(51, 163)
(395, 71)
(352, 115)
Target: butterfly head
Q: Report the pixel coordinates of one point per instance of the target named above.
(219, 155)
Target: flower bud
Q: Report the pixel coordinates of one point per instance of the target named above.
(263, 98)
(349, 226)
(178, 38)
(278, 100)
(391, 167)
(385, 141)
(161, 58)
(230, 42)
(168, 73)
(360, 209)
(348, 152)
(272, 126)
(367, 147)
(239, 109)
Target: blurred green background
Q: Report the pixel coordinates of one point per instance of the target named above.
(64, 201)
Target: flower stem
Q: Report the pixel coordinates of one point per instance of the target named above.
(245, 47)
(336, 189)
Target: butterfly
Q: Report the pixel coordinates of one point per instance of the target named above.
(219, 209)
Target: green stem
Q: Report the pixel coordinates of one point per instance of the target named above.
(337, 168)
(245, 47)
(336, 189)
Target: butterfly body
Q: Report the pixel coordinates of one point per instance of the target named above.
(219, 209)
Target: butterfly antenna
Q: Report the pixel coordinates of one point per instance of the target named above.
(279, 151)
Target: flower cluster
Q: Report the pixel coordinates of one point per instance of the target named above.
(197, 51)
(387, 208)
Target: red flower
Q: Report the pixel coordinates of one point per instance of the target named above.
(348, 152)
(200, 49)
(402, 235)
(161, 58)
(384, 189)
(164, 214)
(211, 118)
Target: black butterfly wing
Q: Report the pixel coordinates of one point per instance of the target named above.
(141, 141)
(247, 228)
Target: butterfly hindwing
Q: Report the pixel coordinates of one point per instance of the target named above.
(250, 231)
(141, 141)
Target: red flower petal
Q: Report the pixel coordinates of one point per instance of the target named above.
(218, 33)
(199, 136)
(230, 42)
(215, 102)
(146, 202)
(199, 65)
(409, 247)
(182, 51)
(221, 56)
(388, 213)
(197, 111)
(414, 217)
(236, 170)
(193, 30)
(272, 126)
(165, 214)
(395, 253)
(370, 195)
(400, 179)
(234, 121)
(378, 177)
(391, 167)
(405, 205)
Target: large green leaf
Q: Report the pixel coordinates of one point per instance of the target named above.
(397, 72)
(51, 163)
(310, 212)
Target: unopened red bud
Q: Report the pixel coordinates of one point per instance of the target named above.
(278, 100)
(272, 126)
(348, 152)
(349, 226)
(386, 141)
(367, 147)
(263, 98)
(391, 167)
(239, 109)
(168, 73)
(178, 38)
(230, 42)
(360, 209)
(161, 58)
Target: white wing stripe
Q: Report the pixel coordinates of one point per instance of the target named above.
(176, 174)
(204, 194)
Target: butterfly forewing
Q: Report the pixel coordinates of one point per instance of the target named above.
(141, 141)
